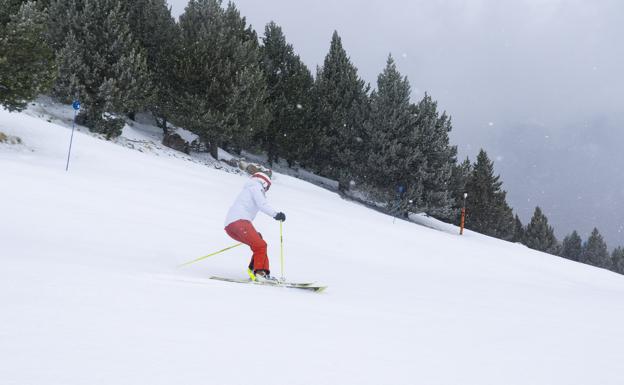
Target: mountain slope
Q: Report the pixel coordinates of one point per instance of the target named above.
(90, 292)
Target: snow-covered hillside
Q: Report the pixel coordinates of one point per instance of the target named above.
(90, 292)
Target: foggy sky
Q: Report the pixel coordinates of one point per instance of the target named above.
(536, 83)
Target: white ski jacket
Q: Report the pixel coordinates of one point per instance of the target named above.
(249, 202)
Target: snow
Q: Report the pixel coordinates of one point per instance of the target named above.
(425, 220)
(90, 292)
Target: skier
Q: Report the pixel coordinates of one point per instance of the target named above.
(239, 227)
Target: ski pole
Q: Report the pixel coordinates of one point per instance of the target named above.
(282, 250)
(209, 255)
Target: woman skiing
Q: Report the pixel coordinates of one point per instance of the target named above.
(239, 227)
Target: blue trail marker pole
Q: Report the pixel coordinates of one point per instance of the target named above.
(400, 192)
(76, 107)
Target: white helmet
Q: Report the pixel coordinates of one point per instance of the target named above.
(264, 179)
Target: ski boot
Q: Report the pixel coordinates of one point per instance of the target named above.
(261, 276)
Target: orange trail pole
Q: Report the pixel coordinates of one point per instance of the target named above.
(463, 216)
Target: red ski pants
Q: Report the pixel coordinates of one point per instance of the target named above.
(243, 231)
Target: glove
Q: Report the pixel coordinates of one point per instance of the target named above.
(280, 217)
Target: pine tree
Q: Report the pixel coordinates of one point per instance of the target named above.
(63, 18)
(9, 8)
(340, 112)
(102, 65)
(289, 86)
(247, 104)
(457, 186)
(439, 157)
(572, 247)
(519, 232)
(221, 88)
(394, 159)
(595, 251)
(617, 260)
(487, 208)
(157, 33)
(539, 235)
(27, 65)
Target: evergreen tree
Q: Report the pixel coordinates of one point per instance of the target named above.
(457, 187)
(519, 232)
(595, 251)
(572, 247)
(102, 65)
(289, 88)
(221, 88)
(439, 157)
(540, 235)
(26, 61)
(8, 8)
(341, 109)
(394, 158)
(617, 260)
(156, 31)
(63, 18)
(487, 208)
(459, 178)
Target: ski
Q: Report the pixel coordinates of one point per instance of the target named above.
(290, 285)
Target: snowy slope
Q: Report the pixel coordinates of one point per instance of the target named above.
(90, 292)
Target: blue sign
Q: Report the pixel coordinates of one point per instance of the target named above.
(76, 105)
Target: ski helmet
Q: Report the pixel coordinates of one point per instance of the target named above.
(264, 179)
